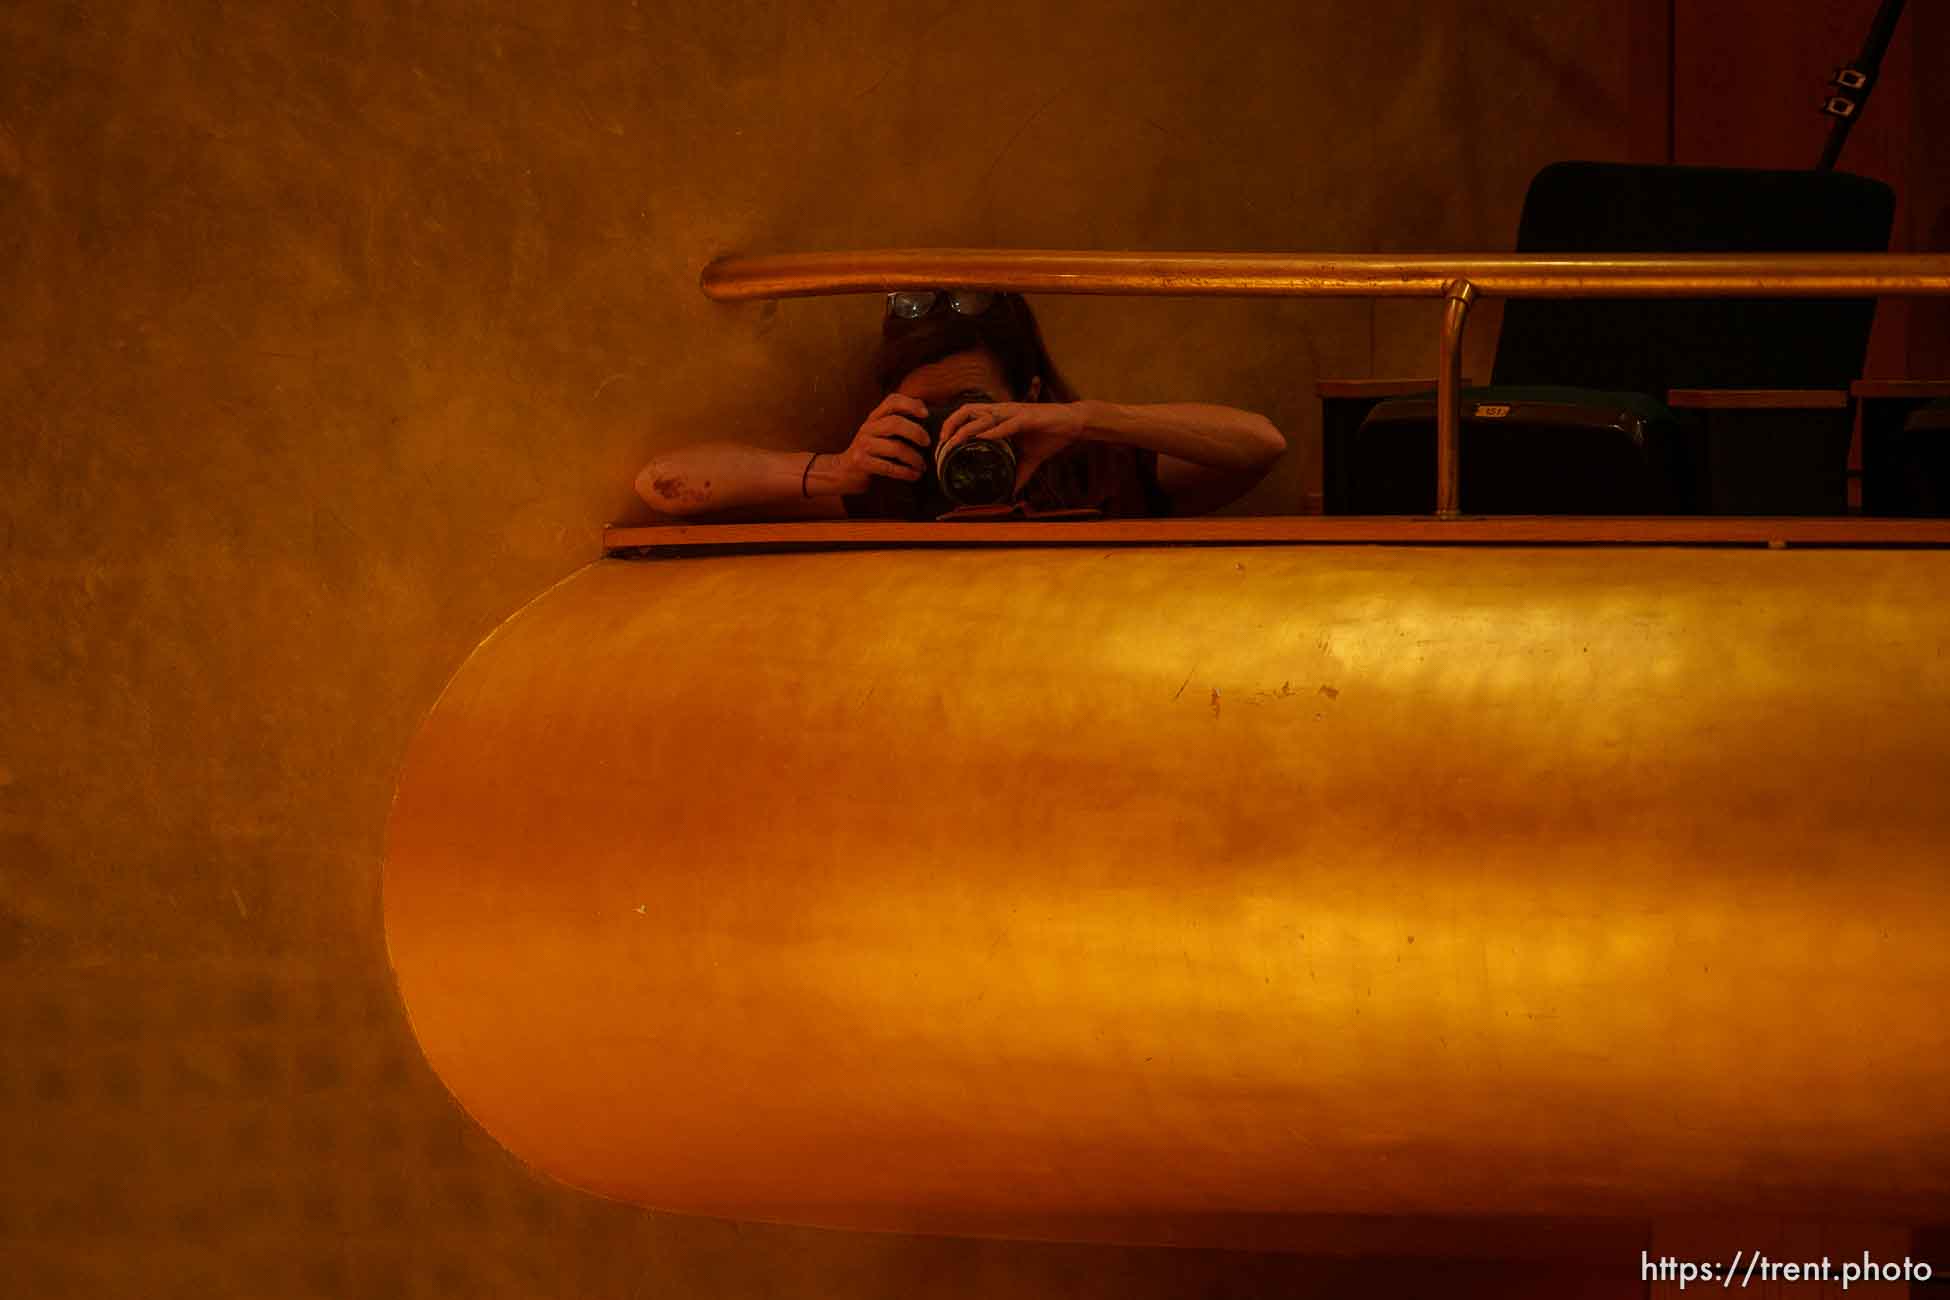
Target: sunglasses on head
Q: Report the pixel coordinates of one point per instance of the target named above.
(913, 304)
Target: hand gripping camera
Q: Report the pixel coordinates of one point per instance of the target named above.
(980, 472)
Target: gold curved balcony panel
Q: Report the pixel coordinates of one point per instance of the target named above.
(1135, 893)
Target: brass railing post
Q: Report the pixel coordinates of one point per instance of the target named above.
(1457, 295)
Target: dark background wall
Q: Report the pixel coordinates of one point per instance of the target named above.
(1742, 71)
(333, 333)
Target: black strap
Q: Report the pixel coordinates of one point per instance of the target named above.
(1854, 83)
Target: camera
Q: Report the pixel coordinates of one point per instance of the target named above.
(980, 471)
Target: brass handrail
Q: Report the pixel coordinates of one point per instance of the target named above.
(1322, 275)
(1457, 278)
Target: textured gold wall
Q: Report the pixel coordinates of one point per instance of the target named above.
(332, 333)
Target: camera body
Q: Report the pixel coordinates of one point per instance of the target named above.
(979, 472)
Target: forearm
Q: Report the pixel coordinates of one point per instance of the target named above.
(1216, 437)
(709, 477)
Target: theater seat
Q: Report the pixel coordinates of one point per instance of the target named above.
(1573, 421)
(1922, 462)
(1527, 451)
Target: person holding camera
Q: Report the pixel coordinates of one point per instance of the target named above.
(978, 422)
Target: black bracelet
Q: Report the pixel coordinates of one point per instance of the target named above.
(806, 473)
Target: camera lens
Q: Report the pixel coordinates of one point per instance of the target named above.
(979, 472)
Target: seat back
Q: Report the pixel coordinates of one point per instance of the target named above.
(1652, 345)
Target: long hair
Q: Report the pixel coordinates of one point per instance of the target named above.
(1007, 331)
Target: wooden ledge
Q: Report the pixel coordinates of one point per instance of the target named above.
(1378, 387)
(1910, 388)
(1292, 530)
(1757, 399)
